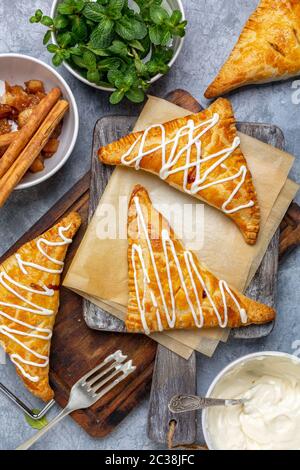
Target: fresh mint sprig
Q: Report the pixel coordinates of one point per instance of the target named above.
(111, 44)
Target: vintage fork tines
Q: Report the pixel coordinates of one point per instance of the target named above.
(90, 388)
(119, 359)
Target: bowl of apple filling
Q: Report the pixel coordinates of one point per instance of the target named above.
(38, 121)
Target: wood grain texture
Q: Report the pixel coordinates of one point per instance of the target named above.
(106, 130)
(290, 231)
(172, 375)
(76, 348)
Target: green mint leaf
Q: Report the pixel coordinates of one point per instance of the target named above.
(163, 54)
(158, 14)
(98, 52)
(52, 48)
(47, 21)
(175, 17)
(141, 68)
(179, 30)
(47, 37)
(79, 29)
(155, 34)
(114, 76)
(101, 37)
(65, 8)
(102, 2)
(116, 96)
(89, 60)
(147, 4)
(75, 51)
(128, 80)
(146, 43)
(79, 5)
(119, 48)
(93, 76)
(136, 95)
(114, 9)
(36, 423)
(130, 28)
(137, 45)
(57, 59)
(65, 53)
(33, 19)
(78, 61)
(157, 67)
(94, 12)
(64, 39)
(60, 22)
(38, 15)
(166, 37)
(110, 63)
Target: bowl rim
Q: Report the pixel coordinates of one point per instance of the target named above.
(110, 89)
(73, 105)
(223, 372)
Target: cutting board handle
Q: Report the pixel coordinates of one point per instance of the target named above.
(290, 231)
(172, 374)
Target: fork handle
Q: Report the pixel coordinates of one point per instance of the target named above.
(183, 403)
(26, 445)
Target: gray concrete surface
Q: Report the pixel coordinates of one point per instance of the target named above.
(213, 28)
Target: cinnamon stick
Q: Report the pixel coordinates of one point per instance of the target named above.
(31, 151)
(27, 131)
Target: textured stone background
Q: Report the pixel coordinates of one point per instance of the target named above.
(213, 28)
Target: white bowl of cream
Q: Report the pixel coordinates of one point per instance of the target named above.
(270, 419)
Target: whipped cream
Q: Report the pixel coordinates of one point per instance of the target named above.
(270, 419)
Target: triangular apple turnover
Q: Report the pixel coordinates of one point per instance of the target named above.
(267, 50)
(168, 286)
(29, 300)
(199, 155)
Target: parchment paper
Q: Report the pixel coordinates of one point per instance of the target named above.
(99, 270)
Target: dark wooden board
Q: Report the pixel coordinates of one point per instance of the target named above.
(76, 348)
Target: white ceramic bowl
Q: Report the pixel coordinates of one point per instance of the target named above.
(231, 368)
(177, 46)
(16, 69)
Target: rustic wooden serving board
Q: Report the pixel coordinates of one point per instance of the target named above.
(76, 348)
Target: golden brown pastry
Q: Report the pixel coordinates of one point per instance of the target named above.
(267, 50)
(29, 300)
(200, 155)
(168, 286)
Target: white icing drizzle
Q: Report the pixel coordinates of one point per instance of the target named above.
(34, 331)
(192, 270)
(168, 166)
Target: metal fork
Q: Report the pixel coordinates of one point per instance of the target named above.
(89, 389)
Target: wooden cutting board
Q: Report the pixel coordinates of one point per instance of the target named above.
(76, 348)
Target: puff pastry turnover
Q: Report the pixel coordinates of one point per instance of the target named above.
(268, 48)
(168, 286)
(29, 300)
(200, 155)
